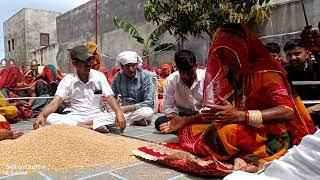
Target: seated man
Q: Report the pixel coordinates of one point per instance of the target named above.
(302, 68)
(183, 91)
(136, 89)
(84, 88)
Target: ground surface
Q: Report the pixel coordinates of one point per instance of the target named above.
(139, 170)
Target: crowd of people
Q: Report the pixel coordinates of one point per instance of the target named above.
(241, 108)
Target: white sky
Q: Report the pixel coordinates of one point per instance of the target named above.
(10, 7)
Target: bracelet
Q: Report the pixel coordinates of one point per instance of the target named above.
(255, 118)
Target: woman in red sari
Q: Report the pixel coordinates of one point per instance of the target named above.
(251, 116)
(14, 85)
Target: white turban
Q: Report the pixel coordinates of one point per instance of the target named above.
(127, 57)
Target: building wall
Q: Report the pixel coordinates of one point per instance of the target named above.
(78, 27)
(25, 27)
(287, 20)
(46, 55)
(14, 28)
(39, 21)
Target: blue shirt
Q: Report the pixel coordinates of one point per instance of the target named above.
(137, 91)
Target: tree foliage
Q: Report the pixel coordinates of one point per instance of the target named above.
(152, 43)
(196, 16)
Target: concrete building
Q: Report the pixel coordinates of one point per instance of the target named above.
(26, 32)
(78, 26)
(287, 20)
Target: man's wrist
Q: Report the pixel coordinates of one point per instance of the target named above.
(118, 110)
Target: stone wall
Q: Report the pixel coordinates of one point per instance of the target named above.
(287, 21)
(25, 28)
(78, 27)
(46, 55)
(14, 28)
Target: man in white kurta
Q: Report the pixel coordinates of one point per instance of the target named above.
(84, 88)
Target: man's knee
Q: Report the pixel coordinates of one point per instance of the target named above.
(145, 113)
(159, 121)
(54, 118)
(148, 112)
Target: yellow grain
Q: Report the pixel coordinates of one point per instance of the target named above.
(63, 147)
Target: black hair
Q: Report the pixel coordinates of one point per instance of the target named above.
(293, 43)
(185, 60)
(273, 47)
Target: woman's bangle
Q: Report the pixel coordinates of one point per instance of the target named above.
(255, 118)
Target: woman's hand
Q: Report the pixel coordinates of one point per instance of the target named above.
(225, 113)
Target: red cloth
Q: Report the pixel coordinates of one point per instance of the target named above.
(12, 78)
(163, 68)
(106, 73)
(173, 155)
(156, 70)
(5, 125)
(145, 66)
(51, 74)
(115, 70)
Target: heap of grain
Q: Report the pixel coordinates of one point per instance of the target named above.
(63, 147)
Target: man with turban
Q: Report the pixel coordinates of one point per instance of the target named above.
(136, 89)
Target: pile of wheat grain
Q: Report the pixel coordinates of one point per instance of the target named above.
(63, 147)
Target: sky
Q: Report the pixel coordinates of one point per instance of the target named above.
(9, 8)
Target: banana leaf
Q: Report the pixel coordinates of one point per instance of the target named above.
(165, 47)
(127, 27)
(156, 34)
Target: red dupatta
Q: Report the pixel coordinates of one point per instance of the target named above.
(12, 78)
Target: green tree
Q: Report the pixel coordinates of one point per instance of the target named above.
(151, 44)
(194, 17)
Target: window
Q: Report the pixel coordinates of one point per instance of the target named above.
(44, 39)
(9, 46)
(12, 41)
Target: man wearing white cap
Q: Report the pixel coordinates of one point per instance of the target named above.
(136, 89)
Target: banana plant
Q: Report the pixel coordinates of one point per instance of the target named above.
(150, 45)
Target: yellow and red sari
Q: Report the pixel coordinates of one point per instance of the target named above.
(13, 85)
(207, 149)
